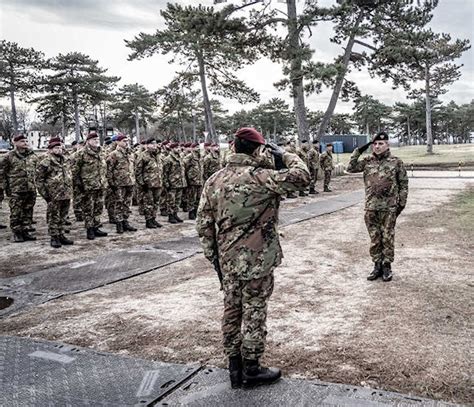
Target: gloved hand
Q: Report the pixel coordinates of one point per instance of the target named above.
(364, 147)
(400, 209)
(145, 188)
(277, 153)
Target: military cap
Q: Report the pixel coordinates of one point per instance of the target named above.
(173, 145)
(108, 140)
(383, 136)
(19, 137)
(194, 145)
(74, 143)
(250, 134)
(121, 137)
(304, 141)
(187, 145)
(92, 135)
(207, 144)
(53, 142)
(329, 145)
(315, 141)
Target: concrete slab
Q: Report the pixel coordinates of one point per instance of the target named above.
(41, 373)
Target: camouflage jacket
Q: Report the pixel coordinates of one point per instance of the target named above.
(238, 214)
(19, 172)
(313, 159)
(149, 170)
(53, 178)
(2, 157)
(326, 162)
(210, 165)
(193, 169)
(385, 179)
(89, 169)
(120, 168)
(173, 171)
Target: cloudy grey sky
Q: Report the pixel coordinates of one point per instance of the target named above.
(98, 28)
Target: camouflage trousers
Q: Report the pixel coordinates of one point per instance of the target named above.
(314, 177)
(184, 199)
(77, 196)
(381, 228)
(92, 206)
(110, 200)
(123, 202)
(193, 196)
(56, 215)
(140, 196)
(151, 202)
(327, 178)
(21, 210)
(173, 200)
(245, 314)
(163, 197)
(2, 197)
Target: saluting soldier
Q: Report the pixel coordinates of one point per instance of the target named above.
(174, 180)
(121, 179)
(89, 174)
(313, 166)
(149, 177)
(237, 225)
(54, 183)
(386, 193)
(19, 168)
(327, 165)
(194, 179)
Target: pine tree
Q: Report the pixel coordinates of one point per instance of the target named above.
(370, 115)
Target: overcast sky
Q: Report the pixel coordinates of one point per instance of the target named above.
(98, 28)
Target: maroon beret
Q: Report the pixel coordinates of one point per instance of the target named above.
(173, 145)
(250, 134)
(207, 144)
(121, 137)
(53, 142)
(194, 145)
(187, 145)
(92, 135)
(19, 137)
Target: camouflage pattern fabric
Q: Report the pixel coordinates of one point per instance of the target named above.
(210, 164)
(149, 170)
(173, 171)
(194, 179)
(326, 161)
(385, 179)
(56, 216)
(151, 202)
(245, 301)
(110, 200)
(327, 178)
(92, 206)
(120, 168)
(53, 179)
(193, 194)
(77, 192)
(89, 169)
(173, 200)
(123, 202)
(21, 210)
(381, 228)
(19, 172)
(313, 165)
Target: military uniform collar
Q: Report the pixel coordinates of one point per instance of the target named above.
(244, 160)
(383, 156)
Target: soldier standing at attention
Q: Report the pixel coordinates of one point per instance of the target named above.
(303, 154)
(149, 177)
(89, 173)
(386, 192)
(211, 162)
(54, 183)
(174, 180)
(121, 179)
(76, 192)
(19, 184)
(237, 225)
(193, 170)
(2, 194)
(313, 166)
(327, 165)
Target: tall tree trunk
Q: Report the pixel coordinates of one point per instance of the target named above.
(194, 127)
(429, 134)
(104, 123)
(63, 126)
(409, 130)
(296, 73)
(14, 114)
(137, 126)
(77, 124)
(209, 120)
(339, 79)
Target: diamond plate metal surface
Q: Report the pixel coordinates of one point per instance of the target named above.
(41, 373)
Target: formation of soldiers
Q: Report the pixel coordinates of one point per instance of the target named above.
(159, 176)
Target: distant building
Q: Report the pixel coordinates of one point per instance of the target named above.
(349, 141)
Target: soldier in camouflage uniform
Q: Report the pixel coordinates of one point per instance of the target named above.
(327, 165)
(76, 192)
(89, 174)
(313, 166)
(54, 183)
(303, 152)
(237, 225)
(19, 168)
(290, 148)
(386, 192)
(174, 180)
(193, 171)
(149, 177)
(109, 198)
(185, 150)
(2, 194)
(121, 178)
(163, 151)
(210, 162)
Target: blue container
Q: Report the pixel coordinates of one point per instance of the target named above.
(338, 147)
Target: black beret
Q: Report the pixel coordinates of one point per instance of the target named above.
(380, 136)
(315, 141)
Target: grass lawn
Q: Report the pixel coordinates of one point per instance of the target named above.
(443, 154)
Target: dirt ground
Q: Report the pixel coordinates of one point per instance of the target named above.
(326, 321)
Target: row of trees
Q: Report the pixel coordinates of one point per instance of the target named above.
(390, 38)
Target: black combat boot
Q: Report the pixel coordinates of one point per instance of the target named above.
(156, 223)
(18, 237)
(303, 193)
(235, 371)
(3, 227)
(127, 227)
(327, 189)
(255, 375)
(376, 272)
(313, 191)
(387, 272)
(177, 218)
(90, 233)
(119, 226)
(149, 224)
(28, 237)
(291, 195)
(172, 219)
(98, 232)
(65, 241)
(55, 242)
(192, 214)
